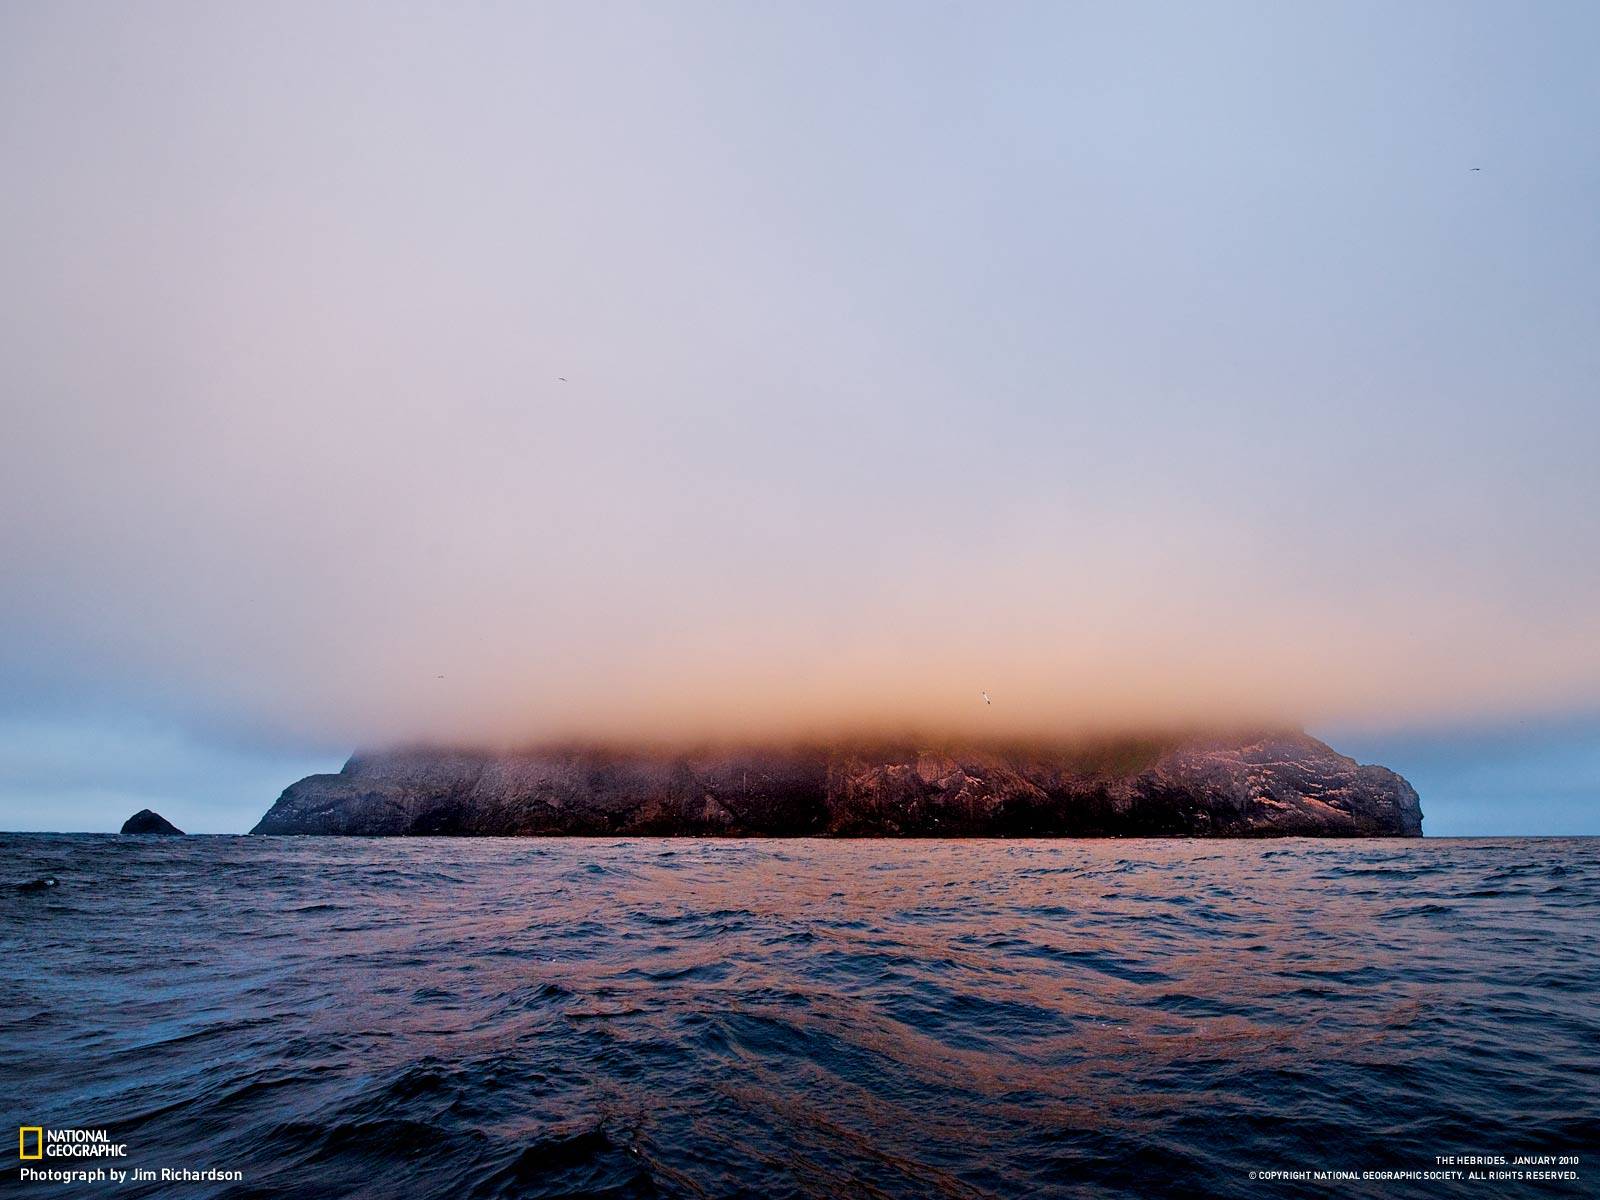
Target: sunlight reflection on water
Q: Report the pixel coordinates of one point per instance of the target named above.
(577, 1017)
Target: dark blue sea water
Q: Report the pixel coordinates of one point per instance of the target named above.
(477, 1018)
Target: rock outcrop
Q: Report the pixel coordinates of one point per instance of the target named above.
(1261, 785)
(146, 821)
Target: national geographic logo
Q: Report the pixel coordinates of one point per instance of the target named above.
(49, 1147)
(34, 1142)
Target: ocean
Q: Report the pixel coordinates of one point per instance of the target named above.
(589, 1017)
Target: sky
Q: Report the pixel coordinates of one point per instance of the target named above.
(374, 373)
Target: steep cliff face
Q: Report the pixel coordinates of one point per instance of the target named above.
(1275, 784)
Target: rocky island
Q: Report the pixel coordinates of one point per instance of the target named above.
(147, 821)
(1275, 784)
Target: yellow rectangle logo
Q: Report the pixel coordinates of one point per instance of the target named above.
(38, 1141)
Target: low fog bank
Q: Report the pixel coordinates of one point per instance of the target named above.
(368, 382)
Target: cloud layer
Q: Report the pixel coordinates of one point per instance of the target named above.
(1130, 369)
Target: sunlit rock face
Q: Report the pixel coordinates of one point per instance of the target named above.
(1259, 785)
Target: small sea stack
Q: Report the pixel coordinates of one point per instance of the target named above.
(146, 821)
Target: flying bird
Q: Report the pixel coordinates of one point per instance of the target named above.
(563, 378)
(1477, 168)
(986, 699)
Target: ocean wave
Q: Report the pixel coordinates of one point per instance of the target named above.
(497, 1018)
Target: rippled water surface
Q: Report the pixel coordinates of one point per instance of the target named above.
(803, 1018)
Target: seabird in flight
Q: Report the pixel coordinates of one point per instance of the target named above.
(986, 699)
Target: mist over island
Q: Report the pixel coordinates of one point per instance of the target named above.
(1133, 371)
(1260, 784)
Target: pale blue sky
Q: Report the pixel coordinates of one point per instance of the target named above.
(1131, 362)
